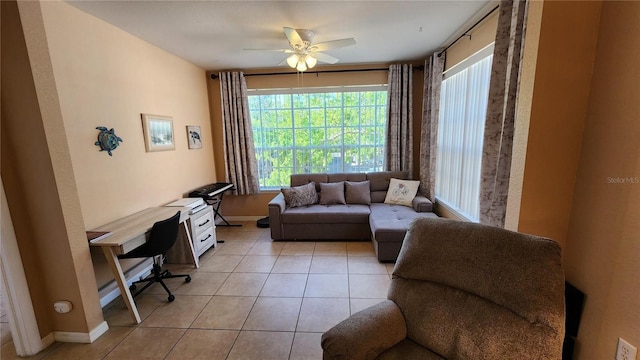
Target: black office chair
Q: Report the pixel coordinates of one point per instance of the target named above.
(163, 235)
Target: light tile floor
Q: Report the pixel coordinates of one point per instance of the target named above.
(251, 298)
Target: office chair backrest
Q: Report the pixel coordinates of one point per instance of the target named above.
(471, 291)
(163, 235)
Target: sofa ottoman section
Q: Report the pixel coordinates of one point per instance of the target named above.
(389, 224)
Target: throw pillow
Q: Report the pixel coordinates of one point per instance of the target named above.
(302, 195)
(332, 193)
(401, 192)
(358, 192)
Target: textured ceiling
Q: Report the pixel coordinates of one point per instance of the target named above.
(213, 34)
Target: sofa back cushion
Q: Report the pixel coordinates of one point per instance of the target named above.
(379, 183)
(346, 177)
(302, 179)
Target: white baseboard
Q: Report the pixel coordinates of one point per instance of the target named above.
(78, 337)
(48, 340)
(243, 218)
(98, 331)
(108, 297)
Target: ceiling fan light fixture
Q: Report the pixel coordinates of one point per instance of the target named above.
(301, 66)
(292, 60)
(310, 61)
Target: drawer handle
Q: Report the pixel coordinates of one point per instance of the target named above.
(205, 239)
(204, 223)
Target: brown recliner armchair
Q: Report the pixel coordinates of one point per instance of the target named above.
(462, 291)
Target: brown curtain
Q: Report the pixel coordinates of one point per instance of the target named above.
(501, 108)
(399, 141)
(433, 69)
(240, 163)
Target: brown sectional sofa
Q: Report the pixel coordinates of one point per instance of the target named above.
(384, 224)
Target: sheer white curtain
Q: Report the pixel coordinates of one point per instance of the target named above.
(399, 144)
(240, 162)
(460, 137)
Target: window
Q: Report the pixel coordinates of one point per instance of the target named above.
(317, 130)
(463, 108)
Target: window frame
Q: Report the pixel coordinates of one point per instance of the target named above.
(378, 120)
(450, 207)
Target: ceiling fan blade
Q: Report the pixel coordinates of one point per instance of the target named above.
(324, 58)
(283, 62)
(293, 36)
(275, 50)
(334, 44)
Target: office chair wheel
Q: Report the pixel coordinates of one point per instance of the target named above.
(171, 298)
(168, 273)
(187, 279)
(132, 287)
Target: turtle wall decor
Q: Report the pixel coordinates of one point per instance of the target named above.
(107, 140)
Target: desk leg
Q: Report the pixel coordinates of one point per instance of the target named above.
(114, 264)
(194, 256)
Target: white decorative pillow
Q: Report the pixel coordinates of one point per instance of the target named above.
(302, 195)
(401, 192)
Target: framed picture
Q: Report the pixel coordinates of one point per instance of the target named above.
(194, 137)
(158, 132)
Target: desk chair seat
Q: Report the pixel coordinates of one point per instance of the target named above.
(163, 235)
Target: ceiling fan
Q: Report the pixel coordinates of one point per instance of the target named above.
(304, 53)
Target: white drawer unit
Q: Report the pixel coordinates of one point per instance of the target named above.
(203, 230)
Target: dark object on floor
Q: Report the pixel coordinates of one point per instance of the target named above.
(574, 300)
(462, 290)
(163, 235)
(263, 223)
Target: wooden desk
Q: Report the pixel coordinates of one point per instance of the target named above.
(127, 234)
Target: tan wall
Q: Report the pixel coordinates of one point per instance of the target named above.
(602, 256)
(107, 77)
(559, 101)
(40, 184)
(481, 36)
(87, 73)
(256, 205)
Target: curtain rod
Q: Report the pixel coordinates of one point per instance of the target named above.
(418, 68)
(465, 33)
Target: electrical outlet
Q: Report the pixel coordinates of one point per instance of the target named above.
(62, 306)
(625, 351)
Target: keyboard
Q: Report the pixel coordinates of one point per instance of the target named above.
(211, 190)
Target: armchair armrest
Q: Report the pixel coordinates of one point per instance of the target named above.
(276, 208)
(366, 334)
(422, 204)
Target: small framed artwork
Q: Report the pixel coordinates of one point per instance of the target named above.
(158, 132)
(194, 137)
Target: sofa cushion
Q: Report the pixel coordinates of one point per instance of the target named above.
(380, 183)
(357, 192)
(332, 193)
(401, 192)
(302, 179)
(327, 214)
(302, 195)
(335, 177)
(389, 223)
